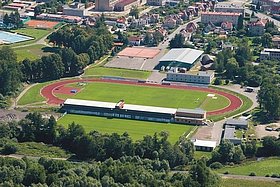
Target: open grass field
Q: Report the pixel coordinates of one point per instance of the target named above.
(150, 96)
(136, 129)
(32, 52)
(261, 168)
(102, 71)
(40, 150)
(35, 33)
(247, 183)
(33, 95)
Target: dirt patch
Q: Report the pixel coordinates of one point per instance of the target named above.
(262, 132)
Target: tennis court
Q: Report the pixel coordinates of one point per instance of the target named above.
(139, 52)
(42, 24)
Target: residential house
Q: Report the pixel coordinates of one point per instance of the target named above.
(270, 54)
(257, 28)
(229, 7)
(220, 17)
(227, 45)
(228, 26)
(135, 40)
(276, 41)
(77, 9)
(125, 5)
(191, 27)
(169, 23)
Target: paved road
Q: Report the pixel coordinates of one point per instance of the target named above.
(214, 131)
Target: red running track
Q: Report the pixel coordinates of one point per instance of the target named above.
(235, 102)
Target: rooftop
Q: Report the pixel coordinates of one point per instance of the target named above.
(229, 132)
(199, 73)
(204, 143)
(100, 104)
(124, 2)
(221, 13)
(236, 122)
(192, 111)
(271, 50)
(228, 5)
(185, 55)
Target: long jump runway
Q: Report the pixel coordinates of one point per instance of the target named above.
(48, 92)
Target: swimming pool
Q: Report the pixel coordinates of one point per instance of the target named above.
(10, 38)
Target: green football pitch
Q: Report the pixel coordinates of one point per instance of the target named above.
(136, 129)
(150, 96)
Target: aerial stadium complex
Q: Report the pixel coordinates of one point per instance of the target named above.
(137, 112)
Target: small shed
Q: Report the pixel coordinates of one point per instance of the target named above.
(206, 59)
(204, 145)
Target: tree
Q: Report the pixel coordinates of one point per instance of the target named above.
(266, 40)
(10, 75)
(249, 148)
(34, 174)
(6, 19)
(231, 68)
(269, 99)
(202, 175)
(37, 10)
(134, 11)
(238, 155)
(177, 42)
(258, 6)
(240, 23)
(243, 53)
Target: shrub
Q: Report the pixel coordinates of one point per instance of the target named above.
(252, 174)
(218, 81)
(267, 175)
(216, 165)
(9, 149)
(274, 175)
(226, 172)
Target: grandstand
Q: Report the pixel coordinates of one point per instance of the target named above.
(137, 112)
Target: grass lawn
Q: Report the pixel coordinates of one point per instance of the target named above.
(32, 52)
(40, 150)
(35, 33)
(136, 129)
(33, 95)
(247, 183)
(261, 168)
(150, 96)
(102, 71)
(199, 154)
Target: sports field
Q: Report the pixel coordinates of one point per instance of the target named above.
(126, 73)
(150, 96)
(136, 129)
(260, 168)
